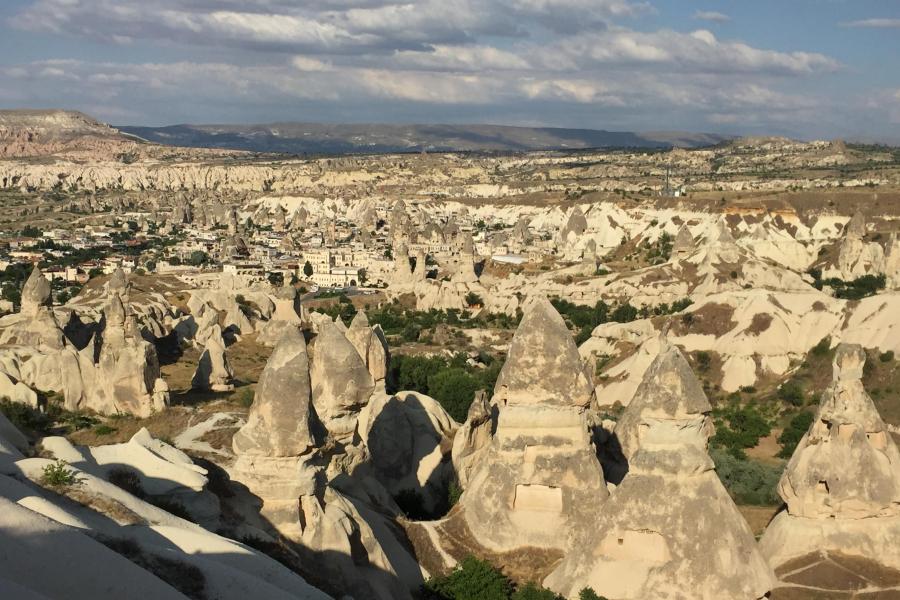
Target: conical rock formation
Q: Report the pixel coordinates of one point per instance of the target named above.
(539, 480)
(842, 485)
(281, 417)
(670, 530)
(341, 382)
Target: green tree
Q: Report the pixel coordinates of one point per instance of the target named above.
(308, 269)
(454, 389)
(793, 433)
(530, 591)
(473, 579)
(198, 257)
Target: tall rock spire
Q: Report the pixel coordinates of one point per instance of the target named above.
(842, 485)
(670, 530)
(539, 480)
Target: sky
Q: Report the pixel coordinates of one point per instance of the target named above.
(808, 69)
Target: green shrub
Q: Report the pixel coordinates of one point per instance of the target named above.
(25, 418)
(104, 429)
(792, 392)
(747, 481)
(793, 433)
(703, 360)
(589, 594)
(472, 579)
(452, 383)
(886, 356)
(75, 421)
(128, 480)
(245, 397)
(532, 592)
(454, 492)
(739, 427)
(473, 299)
(58, 474)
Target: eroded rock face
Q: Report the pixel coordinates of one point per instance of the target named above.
(408, 438)
(669, 390)
(543, 366)
(126, 375)
(35, 324)
(539, 479)
(472, 438)
(670, 530)
(213, 371)
(842, 485)
(847, 465)
(683, 244)
(371, 345)
(341, 382)
(281, 420)
(35, 292)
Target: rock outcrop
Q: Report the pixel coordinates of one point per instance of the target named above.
(281, 421)
(35, 324)
(341, 382)
(842, 485)
(539, 480)
(371, 346)
(670, 530)
(213, 371)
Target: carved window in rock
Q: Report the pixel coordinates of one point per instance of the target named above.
(846, 431)
(541, 498)
(878, 440)
(642, 545)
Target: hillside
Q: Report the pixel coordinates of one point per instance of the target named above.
(318, 138)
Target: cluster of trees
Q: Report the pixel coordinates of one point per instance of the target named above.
(409, 324)
(476, 579)
(861, 287)
(660, 251)
(585, 318)
(451, 382)
(748, 481)
(739, 427)
(794, 432)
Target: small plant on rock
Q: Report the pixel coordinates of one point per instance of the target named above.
(59, 475)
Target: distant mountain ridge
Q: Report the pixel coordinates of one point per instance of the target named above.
(319, 138)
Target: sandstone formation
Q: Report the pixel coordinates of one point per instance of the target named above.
(842, 485)
(472, 438)
(36, 324)
(371, 346)
(213, 371)
(306, 494)
(341, 382)
(670, 530)
(408, 437)
(281, 421)
(539, 480)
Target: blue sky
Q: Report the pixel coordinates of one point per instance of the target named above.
(802, 68)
